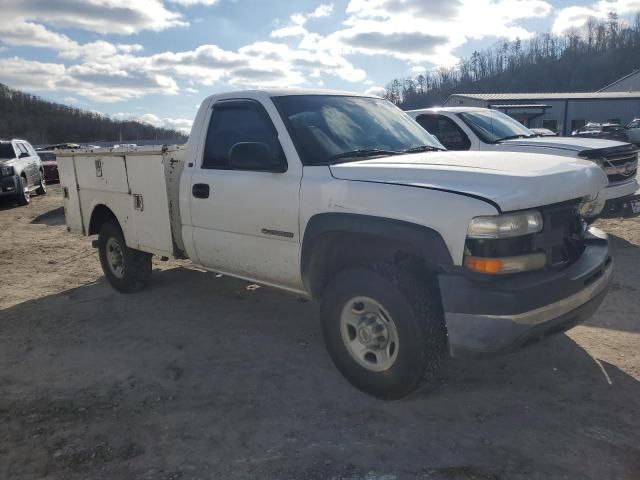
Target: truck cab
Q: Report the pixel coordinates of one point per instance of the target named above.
(412, 251)
(471, 128)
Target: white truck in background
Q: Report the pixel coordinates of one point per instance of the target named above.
(344, 198)
(473, 128)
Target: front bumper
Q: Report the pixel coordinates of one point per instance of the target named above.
(8, 186)
(611, 201)
(501, 314)
(624, 207)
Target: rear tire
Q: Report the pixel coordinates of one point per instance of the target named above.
(126, 269)
(389, 303)
(23, 195)
(42, 186)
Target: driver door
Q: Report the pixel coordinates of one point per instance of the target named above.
(245, 221)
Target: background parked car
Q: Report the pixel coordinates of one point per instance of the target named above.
(633, 131)
(21, 171)
(609, 131)
(544, 132)
(49, 165)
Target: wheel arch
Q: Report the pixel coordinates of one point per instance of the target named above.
(100, 215)
(334, 240)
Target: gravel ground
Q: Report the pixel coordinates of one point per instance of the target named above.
(202, 377)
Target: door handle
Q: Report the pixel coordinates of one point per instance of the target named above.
(200, 190)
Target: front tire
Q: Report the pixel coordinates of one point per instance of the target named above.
(42, 186)
(126, 269)
(384, 329)
(23, 195)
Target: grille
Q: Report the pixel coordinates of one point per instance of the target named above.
(562, 237)
(620, 167)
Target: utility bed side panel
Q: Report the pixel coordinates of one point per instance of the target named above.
(71, 200)
(132, 184)
(150, 204)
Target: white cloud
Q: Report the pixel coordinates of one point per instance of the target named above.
(577, 16)
(98, 82)
(290, 31)
(182, 125)
(375, 91)
(323, 10)
(419, 31)
(298, 21)
(101, 16)
(188, 3)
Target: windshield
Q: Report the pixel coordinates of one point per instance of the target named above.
(6, 151)
(493, 126)
(330, 128)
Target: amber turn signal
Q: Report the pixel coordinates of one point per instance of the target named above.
(499, 266)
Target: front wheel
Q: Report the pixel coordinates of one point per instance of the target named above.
(384, 329)
(126, 269)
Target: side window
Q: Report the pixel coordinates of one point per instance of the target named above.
(429, 123)
(449, 134)
(634, 124)
(22, 149)
(238, 122)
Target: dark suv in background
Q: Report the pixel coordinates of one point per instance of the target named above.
(21, 171)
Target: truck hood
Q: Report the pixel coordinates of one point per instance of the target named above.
(513, 181)
(576, 144)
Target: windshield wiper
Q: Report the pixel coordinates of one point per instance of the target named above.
(362, 152)
(424, 148)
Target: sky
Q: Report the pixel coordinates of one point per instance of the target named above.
(156, 60)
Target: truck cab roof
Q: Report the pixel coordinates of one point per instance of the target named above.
(283, 92)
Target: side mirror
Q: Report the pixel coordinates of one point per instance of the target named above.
(24, 155)
(256, 156)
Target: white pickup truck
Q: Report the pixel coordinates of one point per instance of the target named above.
(471, 128)
(344, 198)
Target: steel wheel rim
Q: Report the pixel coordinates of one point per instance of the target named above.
(115, 257)
(369, 334)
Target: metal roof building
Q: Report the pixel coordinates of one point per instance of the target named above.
(560, 112)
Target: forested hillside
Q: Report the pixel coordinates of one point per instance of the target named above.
(26, 116)
(582, 60)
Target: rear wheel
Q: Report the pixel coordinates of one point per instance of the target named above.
(384, 329)
(42, 186)
(23, 195)
(126, 269)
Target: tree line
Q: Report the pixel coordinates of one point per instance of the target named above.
(580, 60)
(39, 121)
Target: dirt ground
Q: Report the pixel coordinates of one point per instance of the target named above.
(206, 377)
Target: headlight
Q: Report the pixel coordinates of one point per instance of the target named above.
(505, 226)
(6, 171)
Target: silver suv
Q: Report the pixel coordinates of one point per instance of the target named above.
(21, 171)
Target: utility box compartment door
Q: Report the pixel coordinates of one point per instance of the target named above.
(150, 203)
(104, 173)
(71, 200)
